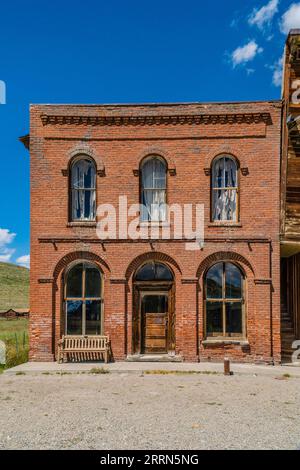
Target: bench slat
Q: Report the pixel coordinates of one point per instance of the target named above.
(82, 347)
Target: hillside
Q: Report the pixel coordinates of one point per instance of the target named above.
(14, 286)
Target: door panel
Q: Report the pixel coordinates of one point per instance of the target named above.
(154, 312)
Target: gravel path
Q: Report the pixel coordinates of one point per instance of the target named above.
(132, 411)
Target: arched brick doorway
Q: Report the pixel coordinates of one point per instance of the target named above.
(153, 321)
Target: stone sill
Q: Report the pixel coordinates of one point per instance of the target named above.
(82, 224)
(224, 224)
(154, 224)
(219, 342)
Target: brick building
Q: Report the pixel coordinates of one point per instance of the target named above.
(153, 296)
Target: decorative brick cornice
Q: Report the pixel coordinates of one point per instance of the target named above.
(78, 256)
(150, 256)
(220, 257)
(235, 118)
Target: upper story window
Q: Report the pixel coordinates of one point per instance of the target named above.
(83, 190)
(225, 189)
(153, 190)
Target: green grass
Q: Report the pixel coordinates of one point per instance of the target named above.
(99, 370)
(15, 335)
(14, 286)
(179, 372)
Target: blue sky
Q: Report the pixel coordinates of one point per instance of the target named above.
(122, 52)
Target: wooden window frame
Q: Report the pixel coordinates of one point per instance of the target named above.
(83, 298)
(141, 188)
(73, 191)
(213, 189)
(224, 300)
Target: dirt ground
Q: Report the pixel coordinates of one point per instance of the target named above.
(146, 411)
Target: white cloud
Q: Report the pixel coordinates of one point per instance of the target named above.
(24, 261)
(6, 237)
(6, 254)
(244, 54)
(264, 15)
(277, 72)
(290, 19)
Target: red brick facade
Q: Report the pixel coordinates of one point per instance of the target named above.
(188, 137)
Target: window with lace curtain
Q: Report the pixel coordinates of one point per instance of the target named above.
(153, 190)
(225, 189)
(83, 190)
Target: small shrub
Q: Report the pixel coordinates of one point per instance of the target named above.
(99, 370)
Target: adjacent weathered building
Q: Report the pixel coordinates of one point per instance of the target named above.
(290, 195)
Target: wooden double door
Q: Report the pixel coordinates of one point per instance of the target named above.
(154, 321)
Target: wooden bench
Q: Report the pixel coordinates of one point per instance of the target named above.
(84, 348)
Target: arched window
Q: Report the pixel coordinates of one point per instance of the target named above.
(225, 189)
(83, 300)
(224, 299)
(153, 190)
(154, 272)
(83, 190)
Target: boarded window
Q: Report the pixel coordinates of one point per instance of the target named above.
(225, 190)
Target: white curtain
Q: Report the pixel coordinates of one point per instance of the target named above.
(83, 180)
(225, 205)
(154, 190)
(225, 189)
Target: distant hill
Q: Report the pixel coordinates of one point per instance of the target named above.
(14, 286)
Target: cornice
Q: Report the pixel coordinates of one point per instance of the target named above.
(87, 240)
(25, 139)
(190, 119)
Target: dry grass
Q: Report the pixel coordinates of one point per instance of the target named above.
(99, 370)
(178, 372)
(14, 286)
(15, 335)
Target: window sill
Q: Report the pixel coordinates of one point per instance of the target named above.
(225, 224)
(219, 342)
(82, 224)
(154, 224)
